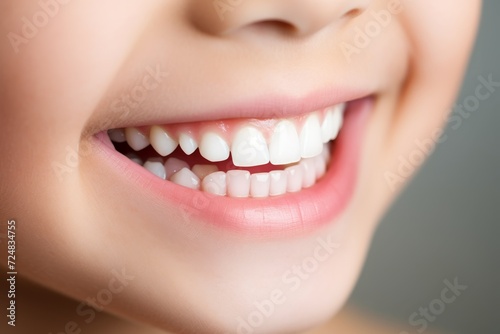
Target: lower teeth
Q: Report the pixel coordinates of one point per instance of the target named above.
(239, 183)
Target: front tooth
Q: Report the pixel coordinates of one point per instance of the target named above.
(187, 143)
(294, 178)
(136, 139)
(156, 168)
(215, 183)
(213, 147)
(308, 172)
(173, 165)
(259, 185)
(238, 183)
(311, 143)
(161, 141)
(278, 182)
(338, 120)
(117, 135)
(249, 148)
(285, 144)
(186, 178)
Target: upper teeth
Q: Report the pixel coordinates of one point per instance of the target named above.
(213, 147)
(284, 147)
(249, 148)
(286, 142)
(136, 139)
(162, 142)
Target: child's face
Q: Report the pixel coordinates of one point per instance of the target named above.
(196, 261)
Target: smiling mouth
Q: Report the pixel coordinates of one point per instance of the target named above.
(255, 158)
(269, 176)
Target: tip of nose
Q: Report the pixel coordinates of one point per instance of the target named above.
(284, 17)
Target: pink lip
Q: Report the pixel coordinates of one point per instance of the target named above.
(263, 107)
(288, 214)
(281, 106)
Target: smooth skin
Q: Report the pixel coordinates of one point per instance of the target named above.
(76, 230)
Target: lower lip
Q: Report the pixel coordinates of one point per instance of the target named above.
(289, 214)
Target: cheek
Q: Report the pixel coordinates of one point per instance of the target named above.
(57, 75)
(440, 41)
(49, 88)
(441, 34)
(51, 83)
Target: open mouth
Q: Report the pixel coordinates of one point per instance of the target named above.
(261, 175)
(237, 158)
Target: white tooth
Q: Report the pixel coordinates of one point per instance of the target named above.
(285, 144)
(188, 144)
(338, 120)
(294, 178)
(238, 183)
(173, 165)
(278, 182)
(156, 168)
(311, 143)
(135, 158)
(326, 153)
(342, 107)
(215, 183)
(319, 166)
(186, 178)
(204, 170)
(136, 139)
(213, 147)
(328, 126)
(308, 172)
(249, 148)
(260, 184)
(117, 135)
(161, 141)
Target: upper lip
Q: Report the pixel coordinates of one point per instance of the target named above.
(270, 106)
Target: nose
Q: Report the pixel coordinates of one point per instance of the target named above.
(291, 17)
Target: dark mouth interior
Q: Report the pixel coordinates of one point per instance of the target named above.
(194, 159)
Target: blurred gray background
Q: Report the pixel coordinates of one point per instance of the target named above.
(446, 224)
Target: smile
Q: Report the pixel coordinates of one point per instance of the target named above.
(237, 158)
(260, 174)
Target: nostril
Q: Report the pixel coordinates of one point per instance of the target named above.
(277, 26)
(278, 18)
(353, 13)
